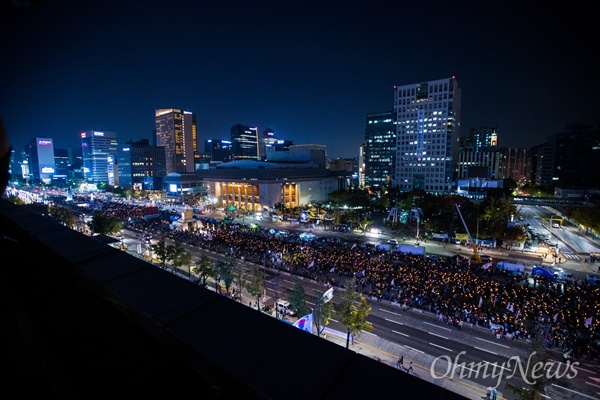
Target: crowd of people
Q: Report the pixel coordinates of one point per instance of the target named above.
(566, 314)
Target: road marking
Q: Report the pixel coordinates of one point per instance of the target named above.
(395, 322)
(489, 341)
(400, 333)
(496, 365)
(391, 312)
(439, 327)
(592, 384)
(440, 336)
(370, 333)
(463, 366)
(412, 348)
(433, 344)
(487, 351)
(586, 370)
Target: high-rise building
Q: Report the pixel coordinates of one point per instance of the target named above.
(484, 138)
(244, 142)
(568, 158)
(141, 165)
(427, 117)
(40, 155)
(379, 148)
(176, 132)
(61, 167)
(219, 150)
(99, 149)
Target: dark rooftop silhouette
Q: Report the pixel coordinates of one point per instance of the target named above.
(81, 319)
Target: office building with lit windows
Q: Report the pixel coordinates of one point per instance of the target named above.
(427, 117)
(379, 149)
(99, 150)
(40, 156)
(141, 165)
(176, 132)
(244, 142)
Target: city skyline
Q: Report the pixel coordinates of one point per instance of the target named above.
(311, 74)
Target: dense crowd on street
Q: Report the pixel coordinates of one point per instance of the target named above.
(566, 314)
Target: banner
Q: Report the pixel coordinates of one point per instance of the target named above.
(328, 295)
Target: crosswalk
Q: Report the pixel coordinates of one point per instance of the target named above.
(573, 257)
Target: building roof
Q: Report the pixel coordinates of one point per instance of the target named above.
(85, 320)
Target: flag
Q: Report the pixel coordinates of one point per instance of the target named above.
(480, 302)
(353, 246)
(312, 263)
(588, 322)
(332, 269)
(305, 323)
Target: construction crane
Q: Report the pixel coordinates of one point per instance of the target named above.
(473, 245)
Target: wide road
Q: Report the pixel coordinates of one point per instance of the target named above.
(421, 333)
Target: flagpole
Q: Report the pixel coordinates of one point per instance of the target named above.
(318, 317)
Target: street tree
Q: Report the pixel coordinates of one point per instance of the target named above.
(104, 225)
(180, 257)
(297, 298)
(353, 317)
(324, 312)
(161, 251)
(239, 277)
(63, 215)
(204, 268)
(536, 378)
(225, 271)
(255, 285)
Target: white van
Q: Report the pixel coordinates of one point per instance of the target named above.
(285, 308)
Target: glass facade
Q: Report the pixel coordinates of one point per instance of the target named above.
(379, 156)
(99, 151)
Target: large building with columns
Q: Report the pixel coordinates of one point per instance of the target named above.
(259, 186)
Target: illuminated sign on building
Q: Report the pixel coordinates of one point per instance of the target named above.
(44, 142)
(47, 170)
(172, 188)
(98, 133)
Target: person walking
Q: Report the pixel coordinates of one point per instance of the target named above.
(410, 368)
(494, 394)
(489, 393)
(400, 362)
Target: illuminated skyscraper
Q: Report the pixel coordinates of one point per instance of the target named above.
(176, 132)
(99, 151)
(40, 155)
(427, 118)
(379, 149)
(244, 142)
(141, 165)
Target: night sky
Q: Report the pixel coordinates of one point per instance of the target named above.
(310, 70)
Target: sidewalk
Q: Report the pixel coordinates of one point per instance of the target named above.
(388, 353)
